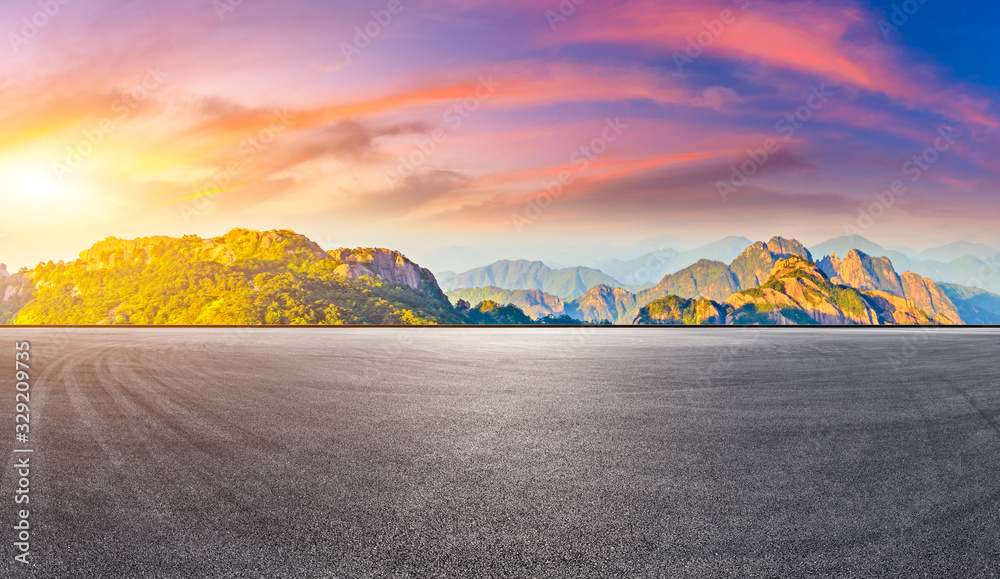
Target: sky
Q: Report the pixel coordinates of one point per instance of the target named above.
(526, 123)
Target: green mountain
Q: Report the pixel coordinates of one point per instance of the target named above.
(798, 292)
(601, 303)
(717, 281)
(491, 313)
(754, 266)
(567, 284)
(673, 310)
(604, 303)
(244, 277)
(706, 279)
(534, 303)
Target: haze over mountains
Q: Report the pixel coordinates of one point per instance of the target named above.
(280, 277)
(980, 268)
(568, 283)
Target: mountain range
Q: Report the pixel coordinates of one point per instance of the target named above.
(959, 263)
(281, 277)
(754, 267)
(797, 292)
(566, 283)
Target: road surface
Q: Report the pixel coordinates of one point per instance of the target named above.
(509, 453)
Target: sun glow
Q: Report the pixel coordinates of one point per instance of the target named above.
(25, 180)
(38, 183)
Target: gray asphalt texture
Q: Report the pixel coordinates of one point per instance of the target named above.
(510, 453)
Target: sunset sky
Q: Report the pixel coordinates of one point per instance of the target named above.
(446, 126)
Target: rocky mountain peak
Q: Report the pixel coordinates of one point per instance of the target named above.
(864, 272)
(754, 266)
(779, 246)
(105, 253)
(386, 264)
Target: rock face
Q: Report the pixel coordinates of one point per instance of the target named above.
(797, 292)
(785, 248)
(603, 303)
(876, 274)
(927, 296)
(386, 264)
(104, 253)
(862, 271)
(754, 266)
(674, 310)
(901, 311)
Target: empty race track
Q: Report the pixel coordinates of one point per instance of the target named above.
(509, 453)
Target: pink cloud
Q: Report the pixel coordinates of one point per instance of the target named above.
(809, 38)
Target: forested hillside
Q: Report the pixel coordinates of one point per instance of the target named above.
(245, 277)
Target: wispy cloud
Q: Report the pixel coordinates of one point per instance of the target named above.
(266, 88)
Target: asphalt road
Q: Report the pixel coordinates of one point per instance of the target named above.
(509, 453)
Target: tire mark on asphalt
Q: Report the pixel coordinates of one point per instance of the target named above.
(100, 432)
